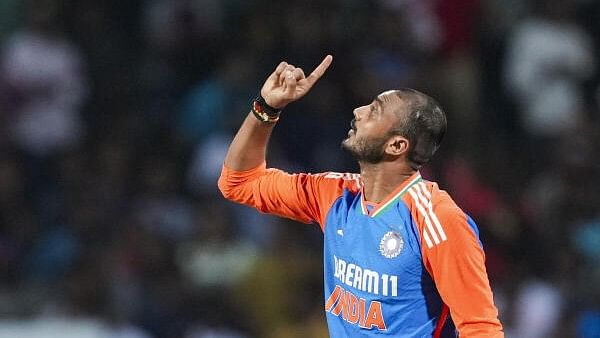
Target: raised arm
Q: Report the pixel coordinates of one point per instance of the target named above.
(245, 179)
(286, 84)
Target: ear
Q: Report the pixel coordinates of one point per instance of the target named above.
(397, 145)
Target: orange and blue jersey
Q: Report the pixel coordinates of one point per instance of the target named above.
(410, 266)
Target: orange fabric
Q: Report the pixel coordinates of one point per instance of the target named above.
(301, 197)
(456, 263)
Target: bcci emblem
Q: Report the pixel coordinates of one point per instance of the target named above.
(391, 244)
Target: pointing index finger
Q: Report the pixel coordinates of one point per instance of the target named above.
(320, 70)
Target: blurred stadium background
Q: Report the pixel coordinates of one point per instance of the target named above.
(115, 116)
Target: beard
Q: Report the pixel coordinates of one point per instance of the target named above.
(366, 150)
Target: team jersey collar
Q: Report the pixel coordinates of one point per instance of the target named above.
(378, 208)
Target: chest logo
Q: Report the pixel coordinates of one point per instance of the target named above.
(391, 244)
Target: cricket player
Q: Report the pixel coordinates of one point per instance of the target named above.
(401, 259)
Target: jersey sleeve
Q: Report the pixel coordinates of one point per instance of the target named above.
(301, 197)
(454, 257)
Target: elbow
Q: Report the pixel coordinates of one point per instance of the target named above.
(236, 186)
(225, 187)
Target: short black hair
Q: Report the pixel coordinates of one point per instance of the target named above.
(424, 125)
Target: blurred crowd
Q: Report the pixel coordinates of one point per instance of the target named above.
(115, 117)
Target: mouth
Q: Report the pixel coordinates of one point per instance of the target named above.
(352, 130)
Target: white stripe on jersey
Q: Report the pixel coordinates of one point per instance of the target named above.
(425, 208)
(425, 191)
(434, 217)
(415, 198)
(427, 239)
(345, 177)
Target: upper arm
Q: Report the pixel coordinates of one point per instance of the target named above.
(458, 269)
(454, 257)
(302, 197)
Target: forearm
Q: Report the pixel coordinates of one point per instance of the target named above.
(249, 146)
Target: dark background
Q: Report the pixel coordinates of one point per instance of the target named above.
(115, 117)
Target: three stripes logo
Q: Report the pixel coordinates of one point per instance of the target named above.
(433, 233)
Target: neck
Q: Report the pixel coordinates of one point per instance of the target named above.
(380, 179)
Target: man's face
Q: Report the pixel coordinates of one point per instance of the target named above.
(370, 129)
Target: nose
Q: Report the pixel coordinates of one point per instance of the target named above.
(358, 112)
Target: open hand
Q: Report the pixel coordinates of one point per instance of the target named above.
(288, 83)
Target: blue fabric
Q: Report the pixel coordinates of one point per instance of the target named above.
(409, 301)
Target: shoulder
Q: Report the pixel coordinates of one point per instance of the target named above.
(428, 195)
(442, 202)
(437, 216)
(348, 181)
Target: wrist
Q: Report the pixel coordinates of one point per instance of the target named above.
(263, 111)
(268, 100)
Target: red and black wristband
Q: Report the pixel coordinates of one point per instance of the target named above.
(263, 112)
